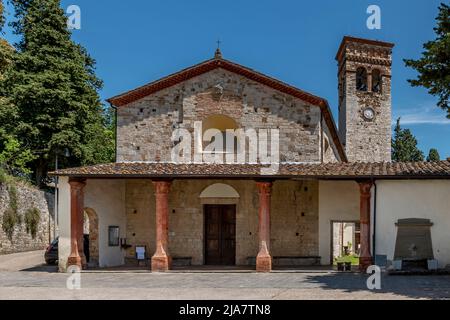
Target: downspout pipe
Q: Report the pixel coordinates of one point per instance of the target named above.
(115, 130)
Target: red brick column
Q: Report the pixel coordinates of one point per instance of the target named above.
(76, 210)
(161, 261)
(263, 259)
(365, 258)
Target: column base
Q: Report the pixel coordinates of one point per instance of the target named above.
(364, 263)
(263, 263)
(74, 261)
(263, 259)
(161, 263)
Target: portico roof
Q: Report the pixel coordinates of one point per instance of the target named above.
(342, 171)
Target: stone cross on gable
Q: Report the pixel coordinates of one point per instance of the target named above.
(218, 53)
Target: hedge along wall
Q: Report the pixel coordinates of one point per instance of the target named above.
(26, 217)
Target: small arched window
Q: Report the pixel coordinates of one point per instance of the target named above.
(376, 81)
(221, 123)
(361, 79)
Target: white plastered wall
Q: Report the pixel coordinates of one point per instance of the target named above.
(426, 199)
(338, 201)
(107, 199)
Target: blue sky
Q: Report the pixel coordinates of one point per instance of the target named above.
(136, 41)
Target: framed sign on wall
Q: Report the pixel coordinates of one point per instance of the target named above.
(113, 236)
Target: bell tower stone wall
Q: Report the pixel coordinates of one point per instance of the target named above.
(364, 77)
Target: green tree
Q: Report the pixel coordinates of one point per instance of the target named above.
(404, 145)
(14, 157)
(54, 87)
(434, 65)
(433, 155)
(6, 50)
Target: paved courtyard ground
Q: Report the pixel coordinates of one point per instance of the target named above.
(23, 276)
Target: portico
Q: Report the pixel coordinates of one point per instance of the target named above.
(274, 218)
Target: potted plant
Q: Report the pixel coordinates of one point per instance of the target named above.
(344, 263)
(348, 266)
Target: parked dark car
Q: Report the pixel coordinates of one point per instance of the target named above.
(51, 253)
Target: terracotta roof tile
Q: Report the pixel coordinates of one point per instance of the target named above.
(286, 170)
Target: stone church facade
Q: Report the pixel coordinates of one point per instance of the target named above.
(193, 213)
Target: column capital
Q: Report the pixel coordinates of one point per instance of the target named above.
(264, 187)
(77, 183)
(162, 186)
(365, 186)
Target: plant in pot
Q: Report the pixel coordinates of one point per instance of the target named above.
(344, 263)
(347, 266)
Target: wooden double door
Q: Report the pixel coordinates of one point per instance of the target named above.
(220, 234)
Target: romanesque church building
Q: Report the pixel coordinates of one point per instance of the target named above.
(332, 189)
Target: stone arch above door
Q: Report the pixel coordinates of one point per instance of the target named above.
(219, 190)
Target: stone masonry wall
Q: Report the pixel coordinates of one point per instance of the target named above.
(145, 127)
(330, 152)
(294, 218)
(28, 197)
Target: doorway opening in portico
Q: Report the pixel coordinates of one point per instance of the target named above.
(345, 242)
(220, 234)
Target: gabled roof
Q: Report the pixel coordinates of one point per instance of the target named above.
(339, 171)
(218, 62)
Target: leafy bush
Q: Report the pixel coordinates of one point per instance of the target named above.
(12, 191)
(11, 217)
(32, 219)
(9, 221)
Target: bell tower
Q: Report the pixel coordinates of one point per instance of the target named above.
(364, 77)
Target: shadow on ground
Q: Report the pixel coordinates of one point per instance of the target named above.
(42, 268)
(415, 287)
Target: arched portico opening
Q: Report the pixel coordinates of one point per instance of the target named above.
(90, 231)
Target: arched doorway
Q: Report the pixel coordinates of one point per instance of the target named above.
(90, 230)
(219, 206)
